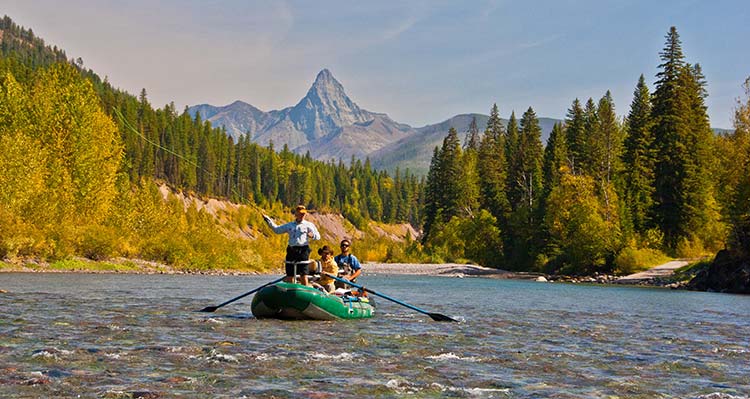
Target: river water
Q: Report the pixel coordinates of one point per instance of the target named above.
(120, 336)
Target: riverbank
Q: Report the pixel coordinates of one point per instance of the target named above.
(442, 269)
(137, 266)
(453, 270)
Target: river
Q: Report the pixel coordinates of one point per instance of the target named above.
(120, 336)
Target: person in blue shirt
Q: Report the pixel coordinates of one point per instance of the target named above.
(349, 266)
(298, 249)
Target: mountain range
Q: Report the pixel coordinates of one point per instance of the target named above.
(330, 126)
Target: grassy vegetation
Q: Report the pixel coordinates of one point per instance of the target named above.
(83, 265)
(634, 260)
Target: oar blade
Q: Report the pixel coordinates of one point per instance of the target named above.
(209, 309)
(441, 317)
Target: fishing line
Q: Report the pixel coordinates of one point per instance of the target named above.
(157, 145)
(136, 131)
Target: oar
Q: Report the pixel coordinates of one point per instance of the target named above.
(434, 316)
(213, 308)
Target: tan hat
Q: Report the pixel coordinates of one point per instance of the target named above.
(324, 250)
(300, 209)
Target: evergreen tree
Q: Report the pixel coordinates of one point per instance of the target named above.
(445, 187)
(701, 212)
(605, 151)
(492, 168)
(511, 138)
(639, 159)
(555, 159)
(469, 183)
(575, 137)
(524, 234)
(683, 198)
(451, 176)
(432, 196)
(592, 151)
(530, 153)
(472, 136)
(513, 161)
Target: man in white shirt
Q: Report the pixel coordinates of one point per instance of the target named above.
(298, 250)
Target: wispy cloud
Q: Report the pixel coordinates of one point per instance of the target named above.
(398, 30)
(538, 43)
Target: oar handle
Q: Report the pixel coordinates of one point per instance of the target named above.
(434, 316)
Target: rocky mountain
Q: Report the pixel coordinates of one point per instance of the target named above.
(328, 124)
(325, 122)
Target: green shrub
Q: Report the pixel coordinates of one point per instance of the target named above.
(18, 238)
(690, 248)
(632, 260)
(173, 250)
(69, 265)
(98, 243)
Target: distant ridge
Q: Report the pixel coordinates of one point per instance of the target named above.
(326, 122)
(415, 151)
(331, 127)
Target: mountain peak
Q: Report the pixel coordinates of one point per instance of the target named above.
(324, 75)
(326, 83)
(326, 108)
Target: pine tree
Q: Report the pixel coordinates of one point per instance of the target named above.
(445, 188)
(451, 176)
(701, 213)
(683, 196)
(592, 155)
(492, 169)
(555, 159)
(469, 183)
(531, 153)
(575, 137)
(432, 195)
(472, 136)
(639, 159)
(513, 161)
(605, 150)
(524, 232)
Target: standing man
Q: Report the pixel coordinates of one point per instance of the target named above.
(298, 250)
(349, 266)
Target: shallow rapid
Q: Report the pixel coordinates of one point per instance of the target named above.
(108, 335)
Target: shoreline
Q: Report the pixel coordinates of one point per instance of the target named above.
(454, 270)
(131, 266)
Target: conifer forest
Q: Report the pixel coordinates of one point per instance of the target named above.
(81, 162)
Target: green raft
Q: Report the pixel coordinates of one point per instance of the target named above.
(290, 301)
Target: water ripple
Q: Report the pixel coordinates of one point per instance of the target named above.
(137, 336)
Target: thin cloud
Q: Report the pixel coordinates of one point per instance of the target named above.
(540, 42)
(403, 26)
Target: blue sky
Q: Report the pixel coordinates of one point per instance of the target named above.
(420, 62)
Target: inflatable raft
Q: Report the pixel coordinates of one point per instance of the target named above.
(290, 301)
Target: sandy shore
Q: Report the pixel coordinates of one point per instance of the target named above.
(442, 269)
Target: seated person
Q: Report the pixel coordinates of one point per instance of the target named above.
(349, 266)
(328, 265)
